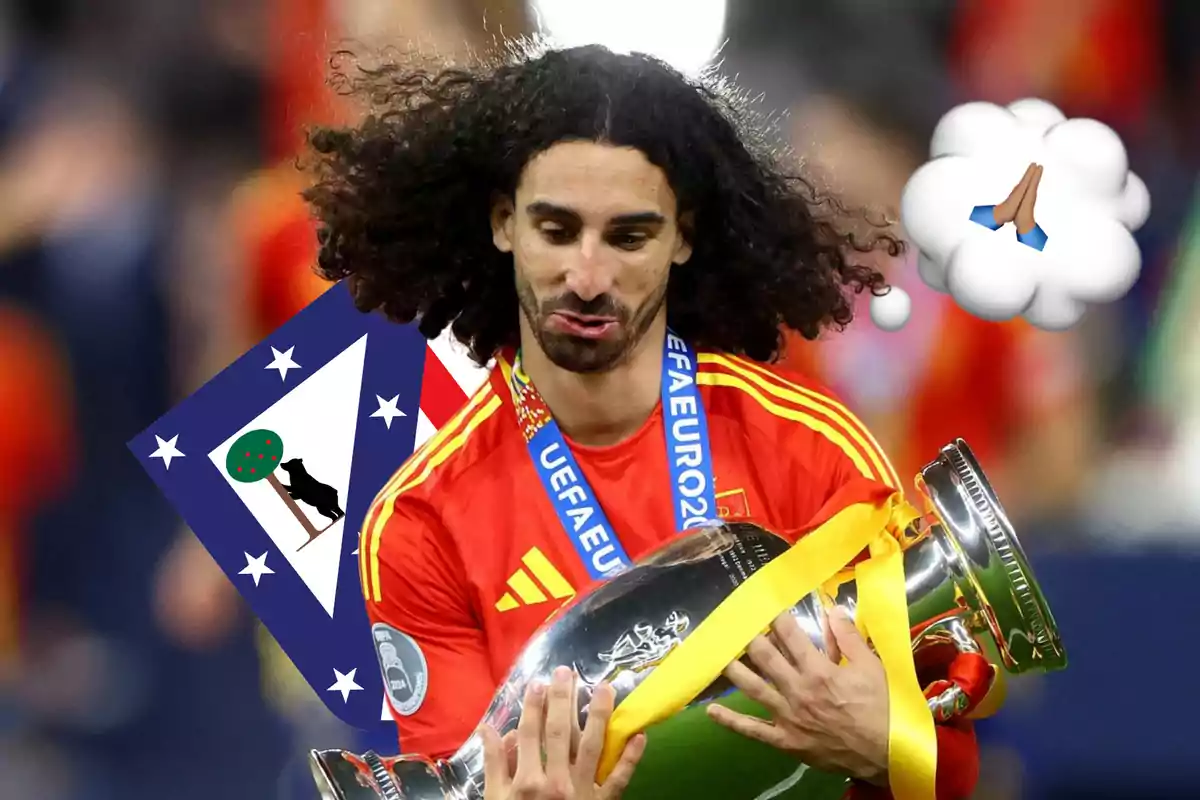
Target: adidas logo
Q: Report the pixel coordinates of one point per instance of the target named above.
(527, 591)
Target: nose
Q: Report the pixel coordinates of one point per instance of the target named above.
(592, 268)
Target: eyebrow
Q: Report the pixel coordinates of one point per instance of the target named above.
(542, 208)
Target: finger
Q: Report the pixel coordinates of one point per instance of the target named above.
(529, 734)
(1030, 189)
(591, 742)
(622, 773)
(496, 768)
(777, 643)
(1018, 191)
(576, 730)
(771, 663)
(753, 686)
(748, 726)
(848, 639)
(804, 654)
(509, 740)
(1014, 198)
(560, 706)
(831, 644)
(1031, 193)
(1023, 185)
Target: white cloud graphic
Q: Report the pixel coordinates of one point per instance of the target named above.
(1088, 204)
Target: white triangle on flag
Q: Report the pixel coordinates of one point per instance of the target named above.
(457, 360)
(317, 422)
(425, 430)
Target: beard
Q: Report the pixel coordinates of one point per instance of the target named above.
(589, 356)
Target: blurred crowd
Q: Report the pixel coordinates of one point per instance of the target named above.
(150, 232)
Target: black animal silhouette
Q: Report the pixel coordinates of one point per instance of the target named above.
(309, 490)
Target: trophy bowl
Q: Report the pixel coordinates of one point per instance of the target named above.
(968, 586)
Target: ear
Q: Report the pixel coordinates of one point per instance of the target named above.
(683, 238)
(502, 223)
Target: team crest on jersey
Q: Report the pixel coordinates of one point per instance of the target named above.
(274, 463)
(733, 504)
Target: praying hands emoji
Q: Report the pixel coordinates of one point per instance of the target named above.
(1017, 208)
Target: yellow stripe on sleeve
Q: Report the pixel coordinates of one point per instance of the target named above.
(451, 446)
(820, 426)
(362, 562)
(452, 426)
(387, 495)
(851, 427)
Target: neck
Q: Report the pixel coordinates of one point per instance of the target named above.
(602, 408)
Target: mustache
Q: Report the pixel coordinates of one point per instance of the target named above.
(600, 306)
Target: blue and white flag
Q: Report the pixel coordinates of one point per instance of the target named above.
(275, 461)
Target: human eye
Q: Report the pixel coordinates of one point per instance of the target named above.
(628, 240)
(556, 234)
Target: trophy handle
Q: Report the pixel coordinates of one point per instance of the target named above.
(970, 676)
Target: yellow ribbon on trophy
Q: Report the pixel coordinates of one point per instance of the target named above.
(749, 610)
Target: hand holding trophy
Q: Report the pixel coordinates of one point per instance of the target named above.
(833, 718)
(514, 769)
(968, 588)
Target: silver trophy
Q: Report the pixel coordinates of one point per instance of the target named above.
(969, 586)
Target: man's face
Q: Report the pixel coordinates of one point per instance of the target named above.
(593, 233)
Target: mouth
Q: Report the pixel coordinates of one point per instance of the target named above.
(584, 326)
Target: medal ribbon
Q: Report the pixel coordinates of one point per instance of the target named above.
(574, 501)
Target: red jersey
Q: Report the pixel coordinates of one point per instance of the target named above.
(463, 555)
(38, 448)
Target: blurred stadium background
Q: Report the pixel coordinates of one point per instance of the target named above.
(150, 233)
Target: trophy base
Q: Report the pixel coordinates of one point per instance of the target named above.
(344, 776)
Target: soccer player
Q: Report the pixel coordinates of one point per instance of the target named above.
(589, 221)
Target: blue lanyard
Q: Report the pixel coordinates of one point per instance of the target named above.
(688, 452)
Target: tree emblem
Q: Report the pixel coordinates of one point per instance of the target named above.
(257, 454)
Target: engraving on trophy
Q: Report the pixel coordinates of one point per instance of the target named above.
(745, 558)
(702, 545)
(643, 646)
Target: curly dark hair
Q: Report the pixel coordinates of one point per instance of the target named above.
(402, 200)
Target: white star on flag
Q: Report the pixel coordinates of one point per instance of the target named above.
(256, 567)
(167, 450)
(345, 684)
(283, 362)
(388, 410)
